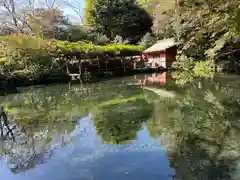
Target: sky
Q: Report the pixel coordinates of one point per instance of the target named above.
(78, 5)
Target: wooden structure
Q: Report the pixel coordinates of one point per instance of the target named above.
(82, 66)
(162, 54)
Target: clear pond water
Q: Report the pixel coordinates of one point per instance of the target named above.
(154, 126)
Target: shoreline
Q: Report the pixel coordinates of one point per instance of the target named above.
(9, 86)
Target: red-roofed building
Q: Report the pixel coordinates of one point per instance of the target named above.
(162, 54)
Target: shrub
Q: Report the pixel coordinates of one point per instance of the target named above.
(191, 69)
(148, 40)
(36, 56)
(184, 63)
(203, 69)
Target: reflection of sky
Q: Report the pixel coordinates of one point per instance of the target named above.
(86, 158)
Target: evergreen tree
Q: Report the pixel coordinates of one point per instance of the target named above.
(123, 18)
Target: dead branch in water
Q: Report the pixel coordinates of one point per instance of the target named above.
(4, 119)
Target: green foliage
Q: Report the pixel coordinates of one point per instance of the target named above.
(182, 78)
(164, 18)
(117, 121)
(28, 46)
(47, 23)
(123, 18)
(201, 124)
(163, 31)
(184, 63)
(206, 29)
(89, 4)
(3, 59)
(83, 47)
(28, 55)
(101, 39)
(148, 40)
(216, 20)
(189, 69)
(51, 23)
(36, 56)
(148, 5)
(204, 69)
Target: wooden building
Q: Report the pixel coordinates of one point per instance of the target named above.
(162, 54)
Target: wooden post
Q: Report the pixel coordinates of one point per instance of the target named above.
(67, 68)
(106, 66)
(124, 68)
(80, 68)
(199, 84)
(116, 64)
(98, 63)
(134, 65)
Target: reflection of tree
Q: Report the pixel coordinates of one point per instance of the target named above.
(58, 103)
(34, 145)
(195, 164)
(183, 77)
(117, 121)
(202, 130)
(45, 117)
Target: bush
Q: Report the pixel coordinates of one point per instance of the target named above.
(148, 40)
(66, 47)
(190, 69)
(36, 56)
(101, 40)
(204, 69)
(184, 63)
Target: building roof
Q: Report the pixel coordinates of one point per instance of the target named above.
(162, 45)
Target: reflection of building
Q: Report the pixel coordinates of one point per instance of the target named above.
(156, 78)
(161, 54)
(159, 78)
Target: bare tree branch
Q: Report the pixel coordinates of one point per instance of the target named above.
(76, 7)
(14, 14)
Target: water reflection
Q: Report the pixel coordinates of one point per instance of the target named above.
(202, 130)
(131, 128)
(117, 121)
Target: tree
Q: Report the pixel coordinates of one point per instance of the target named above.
(148, 5)
(148, 40)
(13, 15)
(31, 17)
(164, 15)
(214, 23)
(124, 18)
(48, 22)
(87, 18)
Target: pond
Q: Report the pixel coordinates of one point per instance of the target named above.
(151, 126)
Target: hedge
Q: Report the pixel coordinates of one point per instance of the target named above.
(34, 56)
